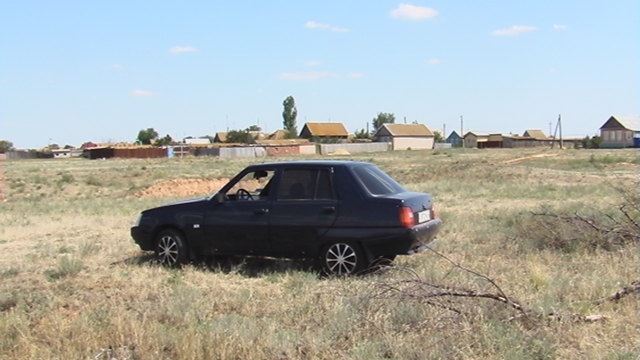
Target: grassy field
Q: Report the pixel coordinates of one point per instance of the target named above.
(534, 245)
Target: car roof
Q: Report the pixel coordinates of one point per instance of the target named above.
(305, 163)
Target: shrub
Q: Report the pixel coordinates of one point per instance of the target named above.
(572, 230)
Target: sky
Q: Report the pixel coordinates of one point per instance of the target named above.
(78, 71)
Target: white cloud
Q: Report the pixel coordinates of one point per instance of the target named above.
(142, 93)
(321, 26)
(514, 30)
(318, 75)
(434, 61)
(413, 12)
(560, 27)
(312, 63)
(309, 76)
(183, 49)
(355, 75)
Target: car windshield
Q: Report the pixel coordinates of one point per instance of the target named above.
(376, 181)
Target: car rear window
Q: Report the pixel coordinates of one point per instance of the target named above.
(376, 181)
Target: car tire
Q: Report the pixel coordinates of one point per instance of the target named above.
(342, 259)
(171, 248)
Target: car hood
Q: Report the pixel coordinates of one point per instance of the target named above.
(180, 203)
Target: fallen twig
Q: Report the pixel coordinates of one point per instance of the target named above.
(633, 288)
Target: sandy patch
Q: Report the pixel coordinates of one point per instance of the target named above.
(528, 157)
(183, 188)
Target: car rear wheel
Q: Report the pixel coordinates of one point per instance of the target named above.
(171, 249)
(342, 259)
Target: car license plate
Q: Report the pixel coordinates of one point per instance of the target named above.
(424, 216)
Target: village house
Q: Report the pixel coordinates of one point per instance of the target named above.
(324, 132)
(220, 137)
(405, 136)
(66, 153)
(474, 139)
(621, 132)
(454, 139)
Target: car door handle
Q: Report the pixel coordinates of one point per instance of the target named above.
(329, 210)
(261, 211)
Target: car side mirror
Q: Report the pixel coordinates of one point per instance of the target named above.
(218, 198)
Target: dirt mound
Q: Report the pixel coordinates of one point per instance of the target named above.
(183, 188)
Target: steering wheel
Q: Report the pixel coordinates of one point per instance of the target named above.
(243, 194)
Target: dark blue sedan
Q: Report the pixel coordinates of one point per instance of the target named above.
(345, 214)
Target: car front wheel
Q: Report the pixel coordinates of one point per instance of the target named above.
(342, 259)
(171, 249)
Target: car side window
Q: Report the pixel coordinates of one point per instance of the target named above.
(305, 184)
(324, 188)
(254, 185)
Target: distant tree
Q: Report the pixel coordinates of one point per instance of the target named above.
(362, 134)
(585, 142)
(437, 137)
(145, 137)
(211, 138)
(254, 128)
(593, 142)
(166, 140)
(383, 118)
(240, 136)
(5, 146)
(289, 115)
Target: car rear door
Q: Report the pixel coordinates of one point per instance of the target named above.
(304, 209)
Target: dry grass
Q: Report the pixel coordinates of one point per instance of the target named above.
(75, 286)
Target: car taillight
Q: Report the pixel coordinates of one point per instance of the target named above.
(406, 217)
(433, 213)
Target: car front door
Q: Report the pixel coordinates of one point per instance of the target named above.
(239, 223)
(304, 209)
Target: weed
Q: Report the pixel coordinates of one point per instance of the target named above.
(65, 249)
(89, 248)
(93, 181)
(9, 272)
(67, 266)
(65, 179)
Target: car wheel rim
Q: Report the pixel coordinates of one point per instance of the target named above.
(167, 251)
(341, 259)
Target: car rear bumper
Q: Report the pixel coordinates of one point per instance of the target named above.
(397, 241)
(422, 235)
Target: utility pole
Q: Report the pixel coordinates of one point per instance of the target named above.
(558, 130)
(560, 127)
(462, 129)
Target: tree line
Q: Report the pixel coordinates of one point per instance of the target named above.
(149, 136)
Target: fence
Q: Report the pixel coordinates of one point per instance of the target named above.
(352, 148)
(27, 154)
(232, 152)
